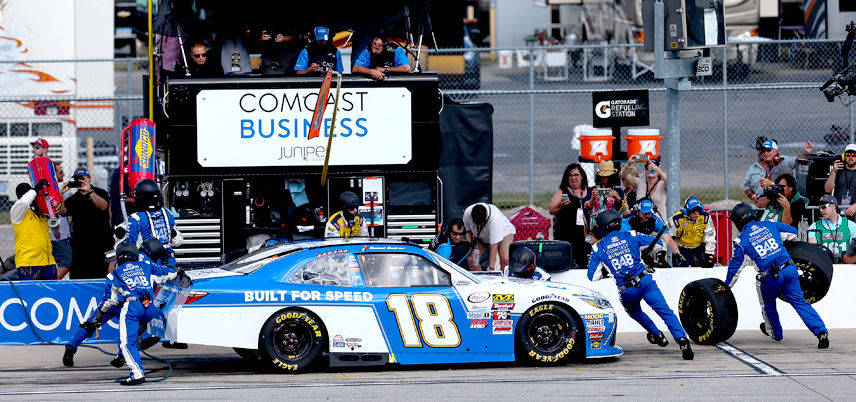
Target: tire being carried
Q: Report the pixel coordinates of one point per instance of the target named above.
(548, 333)
(291, 340)
(707, 315)
(815, 269)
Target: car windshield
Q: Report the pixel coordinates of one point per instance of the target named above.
(450, 266)
(253, 261)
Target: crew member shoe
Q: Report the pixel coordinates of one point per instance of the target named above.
(686, 350)
(132, 381)
(68, 356)
(764, 330)
(149, 342)
(659, 340)
(823, 340)
(118, 361)
(174, 345)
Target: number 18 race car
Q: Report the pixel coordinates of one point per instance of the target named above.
(373, 302)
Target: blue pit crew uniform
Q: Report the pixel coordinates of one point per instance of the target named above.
(135, 280)
(619, 252)
(761, 242)
(142, 224)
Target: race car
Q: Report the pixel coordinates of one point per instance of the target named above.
(380, 301)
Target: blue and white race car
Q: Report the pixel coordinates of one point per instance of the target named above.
(373, 302)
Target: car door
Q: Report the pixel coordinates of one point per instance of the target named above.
(422, 315)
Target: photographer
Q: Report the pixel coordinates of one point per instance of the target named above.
(783, 202)
(606, 193)
(841, 182)
(91, 235)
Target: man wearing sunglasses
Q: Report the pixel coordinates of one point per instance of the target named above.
(40, 147)
(833, 231)
(841, 183)
(202, 65)
(769, 166)
(452, 243)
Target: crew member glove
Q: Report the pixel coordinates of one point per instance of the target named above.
(41, 184)
(90, 326)
(678, 260)
(119, 231)
(661, 259)
(708, 261)
(721, 288)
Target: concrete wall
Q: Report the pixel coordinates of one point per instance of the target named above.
(835, 308)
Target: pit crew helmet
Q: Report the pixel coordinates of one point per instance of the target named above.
(605, 222)
(126, 252)
(147, 195)
(153, 248)
(742, 214)
(522, 263)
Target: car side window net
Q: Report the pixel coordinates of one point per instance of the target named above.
(331, 270)
(400, 270)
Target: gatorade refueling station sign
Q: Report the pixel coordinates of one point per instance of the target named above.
(620, 109)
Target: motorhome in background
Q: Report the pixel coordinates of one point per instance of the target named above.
(57, 101)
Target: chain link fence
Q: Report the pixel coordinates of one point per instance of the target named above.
(539, 94)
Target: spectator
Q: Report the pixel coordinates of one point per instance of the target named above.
(234, 57)
(789, 205)
(695, 234)
(280, 49)
(203, 67)
(62, 246)
(91, 232)
(606, 179)
(320, 56)
(832, 231)
(769, 166)
(380, 59)
(33, 251)
(629, 189)
(841, 183)
(650, 184)
(116, 216)
(452, 243)
(489, 231)
(642, 220)
(570, 222)
(40, 147)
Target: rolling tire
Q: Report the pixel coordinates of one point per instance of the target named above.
(548, 334)
(815, 269)
(291, 341)
(248, 354)
(550, 255)
(708, 317)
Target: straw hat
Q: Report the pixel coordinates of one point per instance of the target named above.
(606, 168)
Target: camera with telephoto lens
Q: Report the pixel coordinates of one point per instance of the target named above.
(773, 194)
(845, 80)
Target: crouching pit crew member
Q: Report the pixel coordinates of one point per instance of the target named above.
(135, 280)
(523, 266)
(452, 244)
(643, 221)
(617, 253)
(761, 243)
(693, 230)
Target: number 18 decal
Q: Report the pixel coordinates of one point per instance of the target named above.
(434, 315)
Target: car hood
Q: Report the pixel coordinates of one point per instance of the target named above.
(209, 273)
(496, 280)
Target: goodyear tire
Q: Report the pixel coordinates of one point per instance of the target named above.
(708, 317)
(548, 334)
(550, 255)
(815, 269)
(291, 341)
(248, 354)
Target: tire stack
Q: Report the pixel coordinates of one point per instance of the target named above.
(550, 255)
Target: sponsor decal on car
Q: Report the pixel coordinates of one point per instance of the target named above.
(338, 344)
(305, 295)
(479, 307)
(353, 264)
(353, 345)
(593, 316)
(463, 283)
(502, 323)
(478, 297)
(503, 298)
(338, 338)
(595, 345)
(478, 315)
(329, 253)
(595, 323)
(551, 296)
(611, 317)
(478, 324)
(502, 306)
(502, 330)
(501, 315)
(596, 336)
(591, 330)
(353, 340)
(371, 248)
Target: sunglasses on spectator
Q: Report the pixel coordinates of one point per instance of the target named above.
(824, 206)
(458, 233)
(200, 55)
(37, 147)
(765, 150)
(848, 154)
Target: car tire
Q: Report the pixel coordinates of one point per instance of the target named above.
(548, 334)
(291, 341)
(550, 255)
(815, 269)
(707, 315)
(248, 354)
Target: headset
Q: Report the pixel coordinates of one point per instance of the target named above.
(687, 201)
(634, 210)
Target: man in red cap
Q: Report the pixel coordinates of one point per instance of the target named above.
(40, 147)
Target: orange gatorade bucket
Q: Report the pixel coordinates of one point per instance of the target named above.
(596, 144)
(643, 141)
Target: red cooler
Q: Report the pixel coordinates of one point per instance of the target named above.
(596, 145)
(529, 224)
(643, 141)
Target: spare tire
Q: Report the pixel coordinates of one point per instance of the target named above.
(815, 269)
(708, 316)
(550, 255)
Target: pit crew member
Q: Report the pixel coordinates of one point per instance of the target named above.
(347, 222)
(152, 219)
(523, 266)
(694, 233)
(643, 221)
